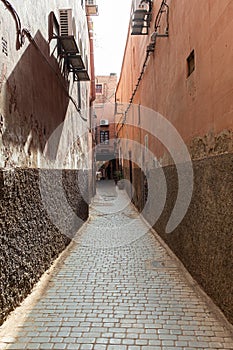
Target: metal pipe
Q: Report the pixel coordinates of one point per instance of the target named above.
(92, 66)
(19, 34)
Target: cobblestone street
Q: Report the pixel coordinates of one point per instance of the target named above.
(117, 288)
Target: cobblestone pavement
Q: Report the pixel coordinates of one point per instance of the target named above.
(117, 289)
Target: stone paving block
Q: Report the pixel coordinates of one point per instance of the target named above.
(116, 341)
(60, 346)
(86, 347)
(141, 342)
(46, 346)
(73, 347)
(18, 346)
(106, 296)
(33, 346)
(128, 341)
(102, 340)
(99, 347)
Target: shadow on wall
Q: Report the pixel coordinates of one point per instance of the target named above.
(36, 100)
(35, 104)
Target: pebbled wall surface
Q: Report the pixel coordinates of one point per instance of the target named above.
(29, 240)
(204, 239)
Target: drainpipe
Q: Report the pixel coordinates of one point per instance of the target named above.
(91, 38)
(92, 99)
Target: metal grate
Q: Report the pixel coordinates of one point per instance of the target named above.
(65, 22)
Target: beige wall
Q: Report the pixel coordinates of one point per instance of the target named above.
(34, 92)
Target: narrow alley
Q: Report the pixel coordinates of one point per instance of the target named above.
(116, 292)
(116, 175)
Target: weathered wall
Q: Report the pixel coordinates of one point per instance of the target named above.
(34, 88)
(37, 98)
(104, 106)
(29, 240)
(203, 240)
(199, 106)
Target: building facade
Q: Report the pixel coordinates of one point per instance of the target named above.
(105, 125)
(181, 80)
(47, 87)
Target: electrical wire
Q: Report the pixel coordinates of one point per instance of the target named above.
(159, 15)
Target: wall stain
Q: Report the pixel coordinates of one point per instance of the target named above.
(12, 89)
(3, 75)
(211, 145)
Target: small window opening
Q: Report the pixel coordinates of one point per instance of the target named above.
(104, 137)
(190, 63)
(99, 88)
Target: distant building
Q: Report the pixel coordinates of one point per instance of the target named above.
(104, 107)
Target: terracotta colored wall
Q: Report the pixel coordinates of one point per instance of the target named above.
(200, 107)
(105, 109)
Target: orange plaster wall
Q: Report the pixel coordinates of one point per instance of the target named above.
(203, 102)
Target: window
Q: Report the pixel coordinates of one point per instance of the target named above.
(190, 63)
(99, 88)
(104, 137)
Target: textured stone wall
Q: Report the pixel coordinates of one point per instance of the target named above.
(139, 195)
(29, 240)
(204, 239)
